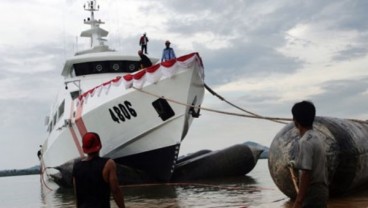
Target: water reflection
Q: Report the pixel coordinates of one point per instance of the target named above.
(225, 192)
(64, 197)
(254, 191)
(354, 200)
(54, 196)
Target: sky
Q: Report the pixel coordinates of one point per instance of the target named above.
(262, 55)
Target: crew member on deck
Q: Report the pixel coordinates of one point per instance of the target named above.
(168, 53)
(143, 43)
(39, 153)
(145, 61)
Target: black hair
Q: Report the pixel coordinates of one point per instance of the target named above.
(304, 113)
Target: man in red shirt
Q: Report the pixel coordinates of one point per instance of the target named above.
(143, 43)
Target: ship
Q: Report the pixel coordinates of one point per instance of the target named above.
(141, 114)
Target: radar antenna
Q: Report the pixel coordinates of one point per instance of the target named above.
(95, 33)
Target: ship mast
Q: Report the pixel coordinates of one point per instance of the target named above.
(95, 33)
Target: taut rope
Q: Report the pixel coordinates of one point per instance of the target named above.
(277, 120)
(248, 113)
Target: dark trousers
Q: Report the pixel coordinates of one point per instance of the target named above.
(144, 49)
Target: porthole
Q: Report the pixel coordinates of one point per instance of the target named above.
(99, 67)
(115, 67)
(131, 67)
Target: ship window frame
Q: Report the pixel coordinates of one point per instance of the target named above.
(89, 68)
(61, 109)
(54, 119)
(75, 94)
(49, 127)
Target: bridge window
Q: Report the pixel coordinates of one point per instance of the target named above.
(98, 67)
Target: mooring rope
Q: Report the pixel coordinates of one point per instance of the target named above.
(253, 115)
(277, 120)
(43, 171)
(248, 115)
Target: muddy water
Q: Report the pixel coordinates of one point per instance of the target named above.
(255, 190)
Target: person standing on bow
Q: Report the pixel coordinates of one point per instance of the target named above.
(145, 61)
(311, 160)
(94, 178)
(168, 53)
(143, 43)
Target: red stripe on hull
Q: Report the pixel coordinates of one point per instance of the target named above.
(74, 135)
(79, 121)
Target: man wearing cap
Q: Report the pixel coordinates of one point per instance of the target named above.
(94, 178)
(168, 52)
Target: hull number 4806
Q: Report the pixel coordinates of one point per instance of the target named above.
(122, 112)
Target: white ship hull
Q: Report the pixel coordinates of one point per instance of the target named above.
(122, 111)
(141, 115)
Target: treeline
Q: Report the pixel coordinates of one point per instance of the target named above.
(15, 172)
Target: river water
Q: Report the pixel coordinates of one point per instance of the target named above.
(254, 190)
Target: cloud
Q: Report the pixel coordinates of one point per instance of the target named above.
(29, 73)
(22, 131)
(339, 96)
(351, 53)
(261, 55)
